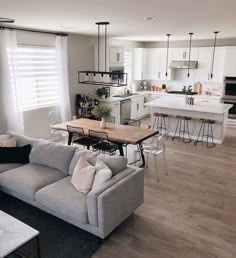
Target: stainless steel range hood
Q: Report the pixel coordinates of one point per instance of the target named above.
(183, 64)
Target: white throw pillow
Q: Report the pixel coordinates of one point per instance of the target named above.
(103, 173)
(83, 176)
(4, 137)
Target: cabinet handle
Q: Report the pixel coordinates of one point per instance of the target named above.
(159, 74)
(184, 55)
(117, 57)
(137, 106)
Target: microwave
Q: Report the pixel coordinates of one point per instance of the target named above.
(117, 70)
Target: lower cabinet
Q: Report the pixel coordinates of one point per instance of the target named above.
(137, 108)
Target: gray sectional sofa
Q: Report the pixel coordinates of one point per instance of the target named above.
(46, 183)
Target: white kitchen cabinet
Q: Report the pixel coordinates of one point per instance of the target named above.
(137, 108)
(182, 54)
(170, 72)
(116, 56)
(203, 72)
(115, 106)
(139, 63)
(230, 62)
(153, 64)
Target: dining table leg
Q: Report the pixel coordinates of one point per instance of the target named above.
(142, 154)
(120, 145)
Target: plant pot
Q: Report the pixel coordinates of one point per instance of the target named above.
(103, 123)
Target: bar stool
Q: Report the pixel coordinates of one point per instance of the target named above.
(160, 122)
(183, 128)
(209, 134)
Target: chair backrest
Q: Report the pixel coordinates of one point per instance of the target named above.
(111, 119)
(161, 140)
(98, 135)
(132, 122)
(52, 118)
(79, 131)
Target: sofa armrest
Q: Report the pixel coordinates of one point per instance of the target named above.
(119, 201)
(92, 196)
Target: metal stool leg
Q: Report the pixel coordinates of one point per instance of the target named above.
(195, 143)
(175, 130)
(213, 144)
(153, 127)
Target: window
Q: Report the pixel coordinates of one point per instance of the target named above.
(128, 64)
(34, 77)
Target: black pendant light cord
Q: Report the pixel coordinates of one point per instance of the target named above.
(105, 47)
(189, 56)
(213, 57)
(167, 54)
(98, 45)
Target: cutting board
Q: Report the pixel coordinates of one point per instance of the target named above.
(197, 87)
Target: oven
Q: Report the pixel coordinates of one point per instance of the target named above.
(229, 90)
(232, 110)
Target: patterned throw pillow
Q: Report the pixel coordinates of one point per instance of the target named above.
(8, 143)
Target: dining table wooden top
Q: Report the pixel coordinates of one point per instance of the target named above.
(116, 132)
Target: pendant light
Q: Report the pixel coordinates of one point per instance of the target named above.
(213, 57)
(114, 79)
(190, 48)
(6, 20)
(167, 54)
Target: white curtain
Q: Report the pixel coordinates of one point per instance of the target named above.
(10, 117)
(62, 63)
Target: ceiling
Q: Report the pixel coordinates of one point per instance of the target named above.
(178, 17)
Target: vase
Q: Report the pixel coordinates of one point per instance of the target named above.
(103, 123)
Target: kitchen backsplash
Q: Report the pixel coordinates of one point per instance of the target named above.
(214, 88)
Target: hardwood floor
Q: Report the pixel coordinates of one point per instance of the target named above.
(191, 213)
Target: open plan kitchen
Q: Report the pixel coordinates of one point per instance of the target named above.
(118, 129)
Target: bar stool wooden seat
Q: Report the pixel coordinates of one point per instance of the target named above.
(209, 135)
(182, 128)
(160, 122)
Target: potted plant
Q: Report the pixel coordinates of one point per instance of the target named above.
(103, 112)
(101, 92)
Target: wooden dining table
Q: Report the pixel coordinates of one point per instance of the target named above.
(119, 134)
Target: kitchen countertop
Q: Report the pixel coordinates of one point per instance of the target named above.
(216, 108)
(161, 94)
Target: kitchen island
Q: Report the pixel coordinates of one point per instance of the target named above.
(206, 110)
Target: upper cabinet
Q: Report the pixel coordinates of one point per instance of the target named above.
(139, 63)
(230, 62)
(116, 56)
(203, 72)
(153, 63)
(182, 54)
(150, 64)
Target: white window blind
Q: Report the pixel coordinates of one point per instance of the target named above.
(34, 76)
(128, 64)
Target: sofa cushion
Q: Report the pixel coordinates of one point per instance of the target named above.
(21, 140)
(15, 154)
(9, 166)
(28, 179)
(53, 155)
(83, 176)
(64, 199)
(103, 174)
(115, 163)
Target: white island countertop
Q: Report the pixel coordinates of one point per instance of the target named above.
(207, 107)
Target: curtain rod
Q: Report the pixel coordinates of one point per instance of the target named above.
(31, 30)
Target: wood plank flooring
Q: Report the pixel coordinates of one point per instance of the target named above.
(190, 213)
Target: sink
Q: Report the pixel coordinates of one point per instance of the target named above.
(125, 95)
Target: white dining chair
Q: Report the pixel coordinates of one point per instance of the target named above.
(156, 146)
(53, 120)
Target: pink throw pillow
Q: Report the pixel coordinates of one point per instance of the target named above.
(83, 176)
(8, 143)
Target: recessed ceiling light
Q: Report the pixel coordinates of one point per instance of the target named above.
(150, 18)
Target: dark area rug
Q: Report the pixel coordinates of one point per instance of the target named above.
(58, 239)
